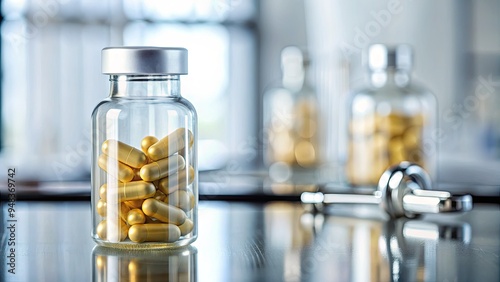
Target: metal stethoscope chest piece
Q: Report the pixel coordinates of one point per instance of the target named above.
(403, 191)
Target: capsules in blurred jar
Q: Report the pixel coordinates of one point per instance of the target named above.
(390, 121)
(378, 142)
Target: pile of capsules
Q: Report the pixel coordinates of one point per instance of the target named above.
(147, 191)
(294, 140)
(379, 141)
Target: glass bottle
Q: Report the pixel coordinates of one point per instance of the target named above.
(291, 115)
(390, 121)
(144, 152)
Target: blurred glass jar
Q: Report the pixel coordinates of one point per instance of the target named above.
(391, 121)
(144, 152)
(144, 265)
(291, 115)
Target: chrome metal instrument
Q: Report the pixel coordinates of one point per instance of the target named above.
(403, 191)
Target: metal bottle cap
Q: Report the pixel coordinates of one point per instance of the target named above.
(380, 57)
(144, 60)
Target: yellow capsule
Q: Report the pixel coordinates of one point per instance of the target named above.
(103, 190)
(115, 168)
(101, 230)
(162, 168)
(154, 233)
(105, 228)
(379, 165)
(417, 120)
(186, 227)
(176, 181)
(305, 153)
(393, 124)
(170, 144)
(128, 191)
(123, 230)
(124, 153)
(124, 210)
(412, 137)
(306, 124)
(396, 144)
(136, 216)
(180, 199)
(163, 211)
(378, 143)
(192, 200)
(282, 148)
(101, 207)
(186, 153)
(134, 204)
(397, 151)
(146, 142)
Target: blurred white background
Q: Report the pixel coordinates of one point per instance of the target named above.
(51, 79)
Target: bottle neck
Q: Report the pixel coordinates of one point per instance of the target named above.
(399, 78)
(145, 86)
(296, 79)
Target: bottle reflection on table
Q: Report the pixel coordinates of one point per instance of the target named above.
(144, 266)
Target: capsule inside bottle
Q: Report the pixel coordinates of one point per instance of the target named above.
(136, 216)
(146, 142)
(186, 227)
(171, 144)
(162, 168)
(109, 230)
(176, 181)
(135, 190)
(162, 232)
(163, 212)
(378, 141)
(101, 207)
(124, 153)
(115, 168)
(181, 199)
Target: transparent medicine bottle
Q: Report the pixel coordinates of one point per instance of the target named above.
(390, 121)
(144, 152)
(291, 115)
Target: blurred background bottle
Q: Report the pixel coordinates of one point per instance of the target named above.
(291, 116)
(390, 121)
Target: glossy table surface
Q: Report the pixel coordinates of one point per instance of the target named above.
(273, 241)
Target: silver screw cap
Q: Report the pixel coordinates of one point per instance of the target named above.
(144, 60)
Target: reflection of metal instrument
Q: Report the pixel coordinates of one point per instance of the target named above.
(385, 250)
(409, 245)
(403, 191)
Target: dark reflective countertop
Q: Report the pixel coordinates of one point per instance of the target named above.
(273, 241)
